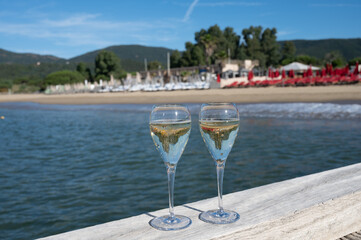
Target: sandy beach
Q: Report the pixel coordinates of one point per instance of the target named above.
(237, 95)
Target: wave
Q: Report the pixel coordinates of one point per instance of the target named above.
(301, 110)
(259, 110)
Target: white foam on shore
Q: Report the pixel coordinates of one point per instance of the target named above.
(301, 110)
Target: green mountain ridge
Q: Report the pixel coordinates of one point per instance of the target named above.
(349, 48)
(131, 53)
(9, 57)
(132, 56)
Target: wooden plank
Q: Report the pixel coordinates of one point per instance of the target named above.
(352, 236)
(325, 205)
(328, 220)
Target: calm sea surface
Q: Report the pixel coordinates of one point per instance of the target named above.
(68, 167)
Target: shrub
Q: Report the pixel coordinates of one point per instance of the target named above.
(353, 61)
(63, 77)
(102, 77)
(5, 84)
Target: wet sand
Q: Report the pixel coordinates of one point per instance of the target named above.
(350, 93)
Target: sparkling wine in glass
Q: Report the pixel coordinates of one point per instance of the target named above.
(219, 123)
(170, 126)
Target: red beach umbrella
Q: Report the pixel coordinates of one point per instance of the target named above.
(309, 72)
(327, 69)
(323, 72)
(346, 70)
(270, 73)
(277, 73)
(283, 73)
(250, 75)
(355, 72)
(291, 73)
(218, 78)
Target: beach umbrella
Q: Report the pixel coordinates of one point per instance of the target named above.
(355, 71)
(291, 73)
(309, 72)
(340, 71)
(277, 73)
(304, 74)
(331, 70)
(218, 78)
(323, 72)
(283, 73)
(270, 73)
(296, 66)
(328, 69)
(250, 75)
(346, 70)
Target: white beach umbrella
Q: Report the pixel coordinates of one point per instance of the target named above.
(296, 66)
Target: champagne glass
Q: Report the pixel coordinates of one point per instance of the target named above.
(170, 126)
(219, 123)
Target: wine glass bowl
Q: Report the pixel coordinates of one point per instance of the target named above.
(170, 126)
(219, 123)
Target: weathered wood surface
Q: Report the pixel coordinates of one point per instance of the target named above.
(325, 205)
(352, 236)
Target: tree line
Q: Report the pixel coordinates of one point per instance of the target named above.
(106, 64)
(255, 43)
(30, 78)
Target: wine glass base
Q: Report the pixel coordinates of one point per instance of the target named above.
(217, 217)
(165, 223)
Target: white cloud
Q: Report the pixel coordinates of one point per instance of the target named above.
(284, 33)
(214, 4)
(90, 29)
(77, 20)
(190, 10)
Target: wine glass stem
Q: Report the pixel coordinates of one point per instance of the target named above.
(220, 171)
(171, 176)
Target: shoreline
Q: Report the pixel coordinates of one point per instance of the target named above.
(343, 94)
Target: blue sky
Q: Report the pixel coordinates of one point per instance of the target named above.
(69, 28)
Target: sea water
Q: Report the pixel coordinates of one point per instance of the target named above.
(65, 167)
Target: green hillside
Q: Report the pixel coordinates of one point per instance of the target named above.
(14, 71)
(131, 56)
(27, 58)
(131, 53)
(349, 48)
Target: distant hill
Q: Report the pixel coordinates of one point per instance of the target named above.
(131, 53)
(349, 48)
(132, 56)
(27, 58)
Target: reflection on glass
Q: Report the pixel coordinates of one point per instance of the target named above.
(219, 123)
(170, 126)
